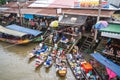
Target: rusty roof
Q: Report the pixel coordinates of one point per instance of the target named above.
(52, 11)
(91, 12)
(46, 12)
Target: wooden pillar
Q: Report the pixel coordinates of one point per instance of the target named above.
(98, 18)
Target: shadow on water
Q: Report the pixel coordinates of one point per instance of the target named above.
(31, 59)
(47, 70)
(37, 69)
(59, 77)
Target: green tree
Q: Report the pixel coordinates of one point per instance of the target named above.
(2, 2)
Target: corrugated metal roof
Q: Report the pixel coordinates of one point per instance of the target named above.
(112, 27)
(74, 20)
(46, 12)
(91, 12)
(11, 32)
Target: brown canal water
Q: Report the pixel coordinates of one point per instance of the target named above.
(14, 65)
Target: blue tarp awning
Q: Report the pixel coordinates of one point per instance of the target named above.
(28, 16)
(23, 29)
(107, 63)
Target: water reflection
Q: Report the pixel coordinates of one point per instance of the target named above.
(15, 66)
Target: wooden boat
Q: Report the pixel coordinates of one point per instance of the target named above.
(35, 35)
(48, 63)
(15, 41)
(80, 67)
(74, 67)
(12, 36)
(42, 37)
(38, 39)
(40, 60)
(41, 55)
(61, 64)
(51, 58)
(33, 53)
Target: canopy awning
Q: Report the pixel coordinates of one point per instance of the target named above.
(74, 20)
(107, 63)
(28, 16)
(11, 32)
(23, 29)
(113, 31)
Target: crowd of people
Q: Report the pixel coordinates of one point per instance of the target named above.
(112, 49)
(35, 23)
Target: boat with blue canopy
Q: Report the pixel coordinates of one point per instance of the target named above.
(107, 63)
(24, 29)
(12, 36)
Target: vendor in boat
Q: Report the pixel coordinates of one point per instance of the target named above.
(55, 46)
(58, 60)
(34, 51)
(63, 63)
(55, 37)
(77, 70)
(41, 45)
(73, 64)
(51, 39)
(70, 57)
(54, 52)
(71, 41)
(65, 41)
(32, 54)
(43, 49)
(41, 56)
(63, 57)
(58, 54)
(49, 60)
(49, 57)
(63, 52)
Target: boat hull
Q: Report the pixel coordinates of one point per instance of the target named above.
(62, 73)
(15, 41)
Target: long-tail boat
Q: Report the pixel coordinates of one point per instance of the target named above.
(12, 36)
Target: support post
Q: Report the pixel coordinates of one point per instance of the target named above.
(19, 10)
(98, 18)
